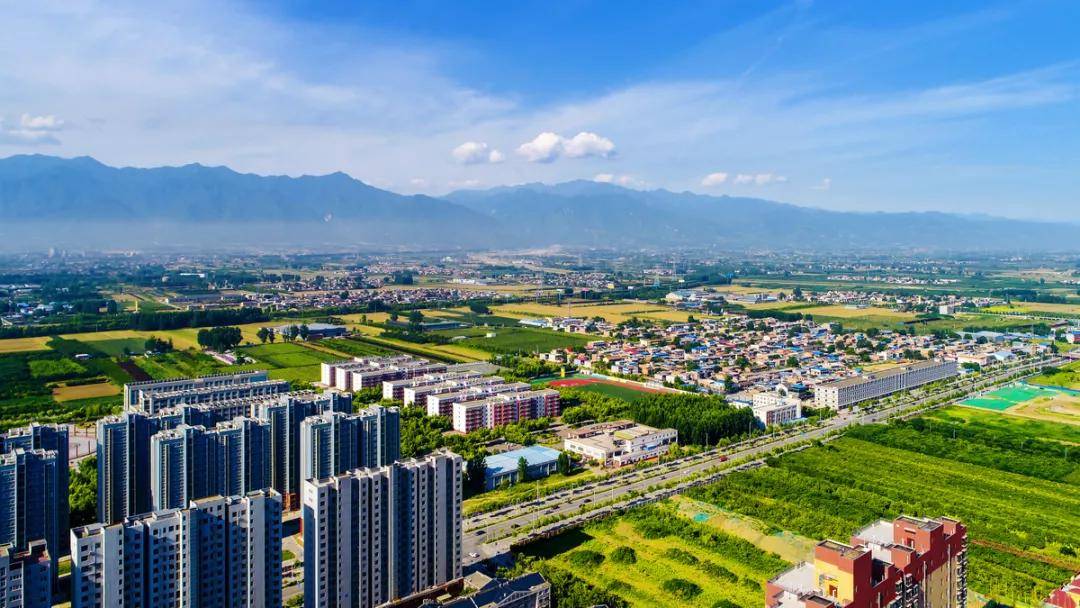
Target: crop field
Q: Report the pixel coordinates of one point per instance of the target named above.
(182, 338)
(353, 348)
(189, 364)
(842, 312)
(1019, 494)
(303, 373)
(652, 556)
(283, 354)
(121, 346)
(514, 340)
(23, 345)
(85, 391)
(614, 313)
(1037, 307)
(626, 392)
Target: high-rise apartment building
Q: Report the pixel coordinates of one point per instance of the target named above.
(334, 442)
(123, 457)
(26, 576)
(30, 509)
(906, 563)
(373, 536)
(191, 462)
(49, 437)
(220, 552)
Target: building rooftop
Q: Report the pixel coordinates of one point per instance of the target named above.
(508, 461)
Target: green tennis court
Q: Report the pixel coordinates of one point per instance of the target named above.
(1004, 398)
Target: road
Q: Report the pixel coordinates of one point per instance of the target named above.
(491, 535)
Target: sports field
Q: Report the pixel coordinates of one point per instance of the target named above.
(1010, 396)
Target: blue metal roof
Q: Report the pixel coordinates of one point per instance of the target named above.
(508, 461)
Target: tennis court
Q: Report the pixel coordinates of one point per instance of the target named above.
(1004, 398)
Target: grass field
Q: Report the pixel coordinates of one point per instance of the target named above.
(654, 557)
(283, 354)
(23, 345)
(1018, 493)
(625, 392)
(1067, 376)
(984, 421)
(85, 391)
(842, 312)
(514, 340)
(1036, 307)
(1061, 407)
(614, 313)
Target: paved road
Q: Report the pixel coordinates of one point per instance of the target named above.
(491, 535)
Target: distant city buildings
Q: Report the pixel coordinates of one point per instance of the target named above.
(216, 552)
(906, 563)
(620, 442)
(377, 535)
(849, 391)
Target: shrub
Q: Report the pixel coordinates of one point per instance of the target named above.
(624, 555)
(585, 558)
(681, 588)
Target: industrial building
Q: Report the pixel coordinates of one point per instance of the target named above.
(849, 391)
(908, 562)
(619, 442)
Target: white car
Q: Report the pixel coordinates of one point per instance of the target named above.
(474, 554)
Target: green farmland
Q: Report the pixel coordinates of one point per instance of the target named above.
(1018, 494)
(652, 556)
(519, 340)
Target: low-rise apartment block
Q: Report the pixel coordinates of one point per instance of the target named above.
(776, 407)
(849, 391)
(505, 408)
(909, 562)
(369, 372)
(153, 395)
(619, 442)
(442, 403)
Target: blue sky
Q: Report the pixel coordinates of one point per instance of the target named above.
(971, 107)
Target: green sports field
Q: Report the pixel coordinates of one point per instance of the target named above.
(1002, 399)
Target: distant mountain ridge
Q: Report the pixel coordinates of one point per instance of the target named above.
(51, 201)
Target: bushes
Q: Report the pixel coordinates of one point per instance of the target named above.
(584, 558)
(624, 555)
(681, 588)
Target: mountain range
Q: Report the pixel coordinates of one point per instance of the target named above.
(82, 203)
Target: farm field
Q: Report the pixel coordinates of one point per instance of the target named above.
(843, 312)
(653, 556)
(85, 391)
(188, 363)
(515, 340)
(622, 391)
(182, 338)
(614, 313)
(284, 354)
(22, 345)
(1017, 493)
(1035, 307)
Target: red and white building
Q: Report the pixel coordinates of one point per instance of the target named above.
(505, 408)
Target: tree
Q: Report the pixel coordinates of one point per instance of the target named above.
(797, 293)
(263, 334)
(82, 492)
(480, 309)
(523, 470)
(562, 463)
(475, 470)
(272, 336)
(304, 332)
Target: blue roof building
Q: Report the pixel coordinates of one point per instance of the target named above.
(504, 467)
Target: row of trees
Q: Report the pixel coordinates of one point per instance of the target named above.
(289, 334)
(219, 338)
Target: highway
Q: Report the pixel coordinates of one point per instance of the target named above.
(492, 535)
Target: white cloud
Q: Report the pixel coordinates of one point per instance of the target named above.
(547, 146)
(466, 184)
(759, 179)
(26, 135)
(714, 179)
(41, 123)
(544, 148)
(588, 144)
(626, 181)
(476, 152)
(418, 182)
(826, 183)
